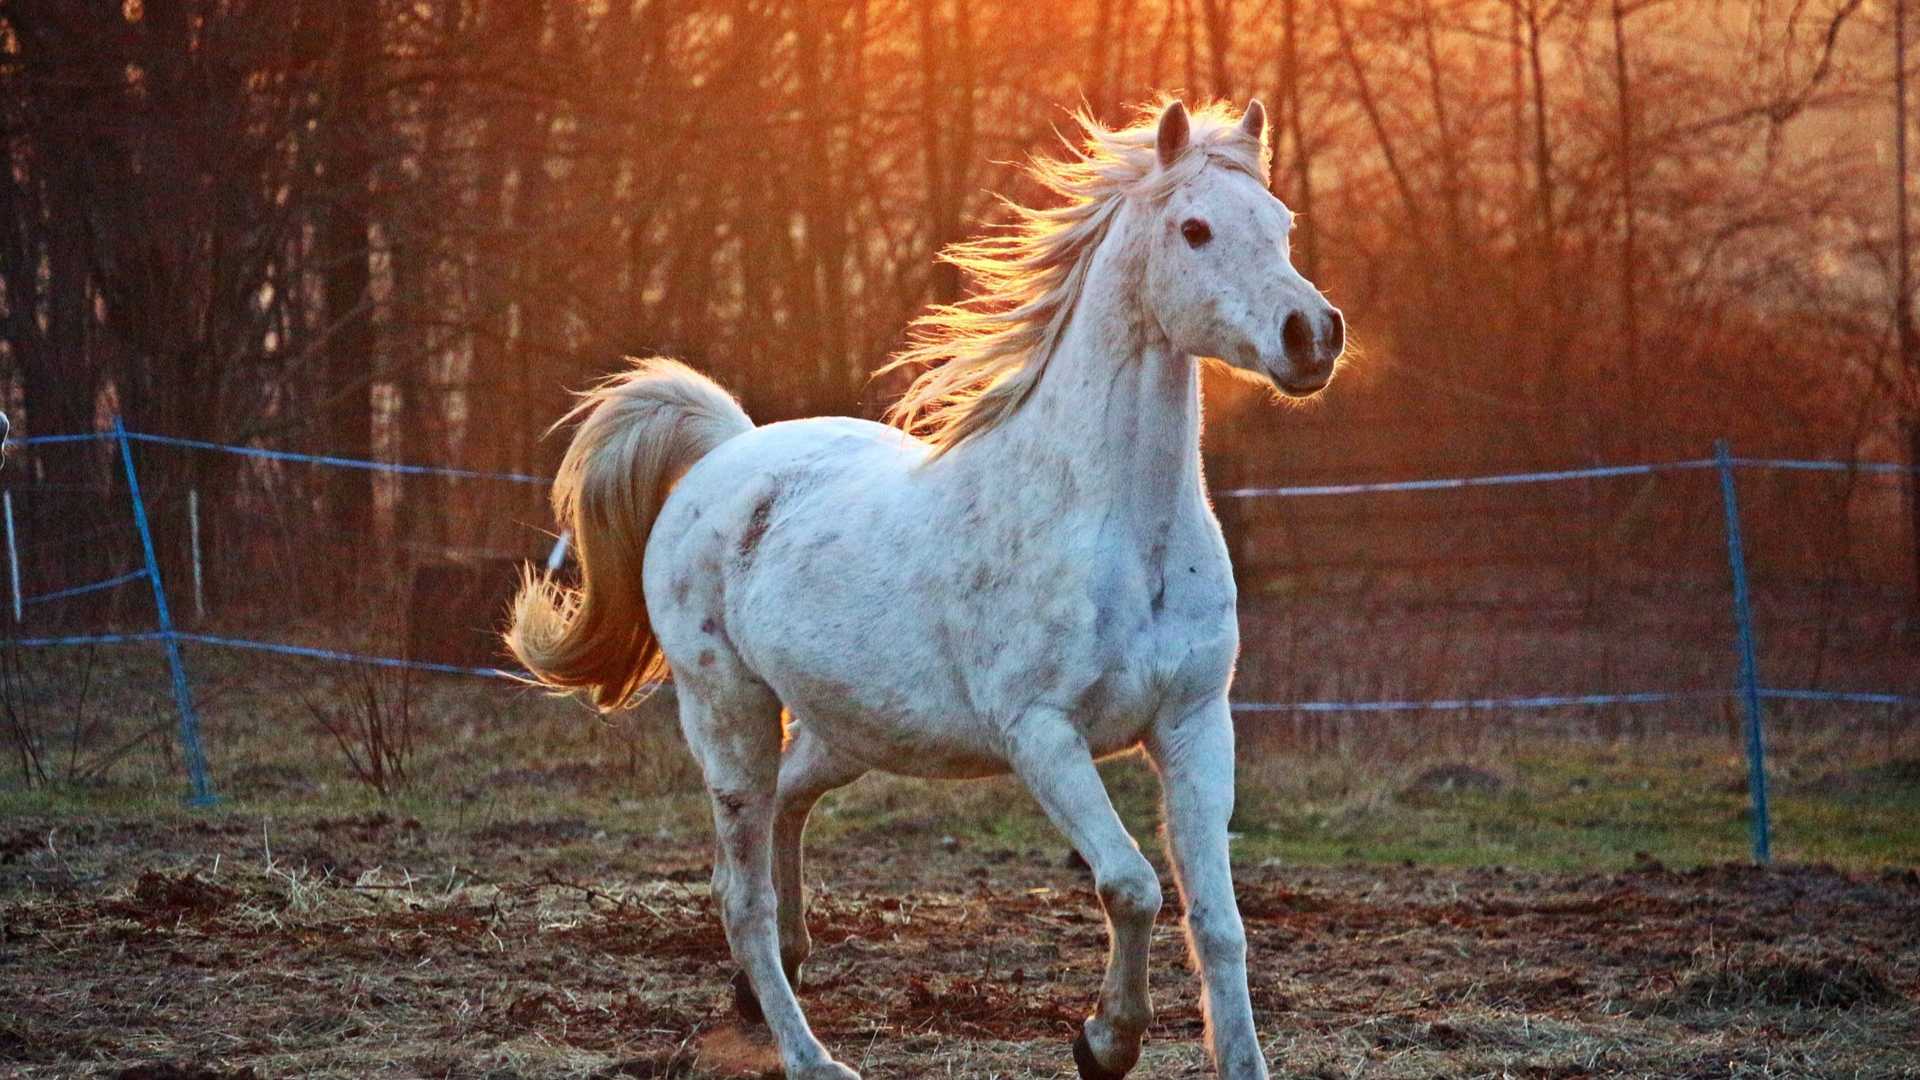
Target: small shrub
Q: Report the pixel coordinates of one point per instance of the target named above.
(374, 728)
(23, 735)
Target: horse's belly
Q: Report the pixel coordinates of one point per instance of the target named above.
(880, 709)
(931, 748)
(896, 716)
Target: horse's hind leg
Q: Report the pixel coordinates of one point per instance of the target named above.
(738, 746)
(808, 769)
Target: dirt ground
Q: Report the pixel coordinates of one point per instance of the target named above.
(232, 946)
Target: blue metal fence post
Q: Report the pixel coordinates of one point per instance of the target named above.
(1749, 673)
(202, 790)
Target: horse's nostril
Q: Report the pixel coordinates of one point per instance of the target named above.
(1336, 332)
(1297, 338)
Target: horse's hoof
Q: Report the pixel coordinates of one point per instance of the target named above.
(832, 1070)
(745, 1004)
(1089, 1066)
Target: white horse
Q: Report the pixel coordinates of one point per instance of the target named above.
(1023, 575)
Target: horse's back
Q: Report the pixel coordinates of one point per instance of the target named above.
(736, 495)
(801, 557)
(770, 511)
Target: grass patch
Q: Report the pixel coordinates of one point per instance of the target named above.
(1565, 803)
(484, 756)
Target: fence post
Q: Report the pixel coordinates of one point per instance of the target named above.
(13, 558)
(202, 792)
(1749, 674)
(193, 530)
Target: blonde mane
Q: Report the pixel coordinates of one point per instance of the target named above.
(984, 355)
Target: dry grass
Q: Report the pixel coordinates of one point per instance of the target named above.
(379, 946)
(1769, 977)
(1461, 899)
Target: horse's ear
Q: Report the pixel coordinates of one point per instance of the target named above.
(1254, 121)
(1175, 129)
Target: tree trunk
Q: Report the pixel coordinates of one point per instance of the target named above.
(1630, 378)
(1904, 331)
(49, 280)
(1370, 106)
(1517, 119)
(1219, 16)
(345, 253)
(941, 218)
(493, 434)
(1292, 109)
(60, 382)
(1187, 41)
(1099, 87)
(1542, 152)
(1904, 328)
(1552, 355)
(1453, 172)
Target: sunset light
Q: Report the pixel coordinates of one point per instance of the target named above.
(911, 538)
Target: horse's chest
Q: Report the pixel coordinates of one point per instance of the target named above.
(1171, 650)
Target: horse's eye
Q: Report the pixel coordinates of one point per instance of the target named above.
(1195, 231)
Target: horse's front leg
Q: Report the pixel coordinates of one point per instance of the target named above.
(1053, 760)
(1194, 756)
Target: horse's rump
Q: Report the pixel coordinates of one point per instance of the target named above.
(639, 431)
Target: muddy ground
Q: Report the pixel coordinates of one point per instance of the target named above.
(372, 946)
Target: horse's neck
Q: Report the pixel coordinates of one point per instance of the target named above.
(1114, 426)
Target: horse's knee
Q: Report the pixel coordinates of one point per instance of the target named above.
(746, 908)
(1217, 937)
(742, 907)
(1132, 895)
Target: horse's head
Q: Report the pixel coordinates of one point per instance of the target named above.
(1219, 279)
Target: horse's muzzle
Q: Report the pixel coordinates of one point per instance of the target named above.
(1303, 388)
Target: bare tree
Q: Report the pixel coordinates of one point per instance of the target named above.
(408, 227)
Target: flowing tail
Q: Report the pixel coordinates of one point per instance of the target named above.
(638, 432)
